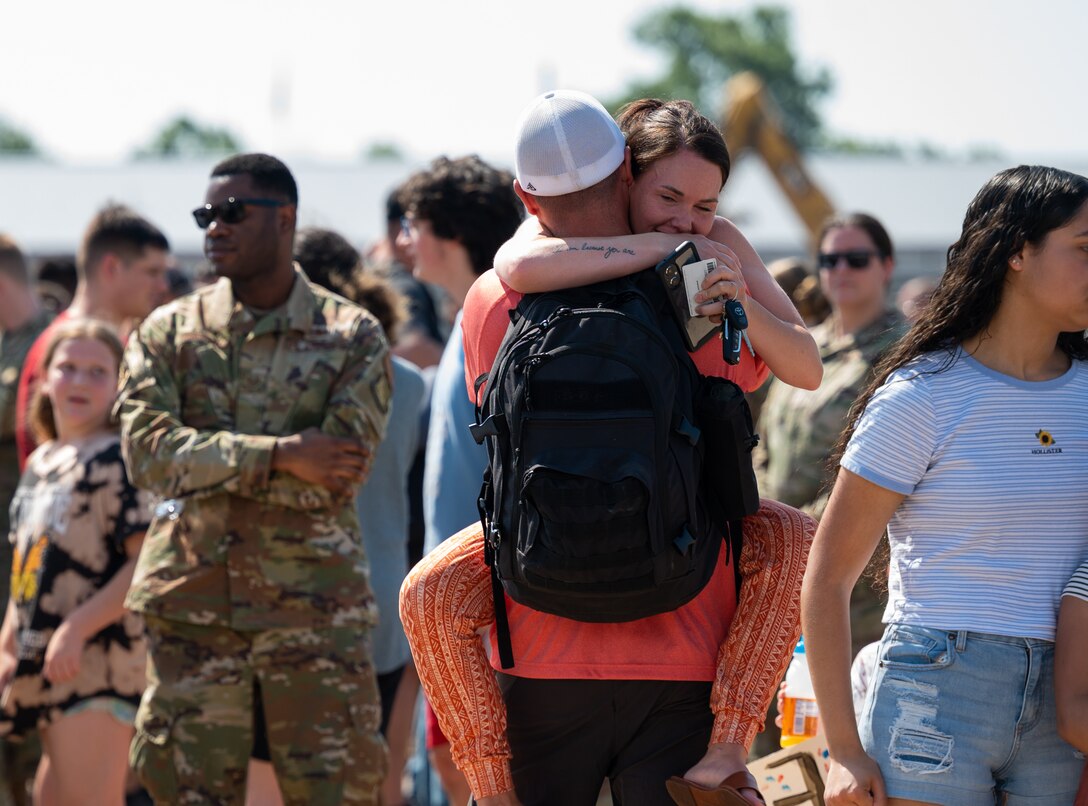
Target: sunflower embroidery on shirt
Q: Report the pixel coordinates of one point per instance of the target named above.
(1046, 441)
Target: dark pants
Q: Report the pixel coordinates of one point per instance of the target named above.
(568, 736)
(388, 683)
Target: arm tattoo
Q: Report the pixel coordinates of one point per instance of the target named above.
(608, 251)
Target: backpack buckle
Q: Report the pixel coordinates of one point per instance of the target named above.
(488, 428)
(688, 431)
(684, 542)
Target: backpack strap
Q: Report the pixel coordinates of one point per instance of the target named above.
(481, 379)
(502, 621)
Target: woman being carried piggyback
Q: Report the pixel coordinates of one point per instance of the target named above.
(72, 660)
(971, 447)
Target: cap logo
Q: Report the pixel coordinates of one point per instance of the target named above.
(530, 187)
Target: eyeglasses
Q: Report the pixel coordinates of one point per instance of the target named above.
(855, 259)
(406, 226)
(231, 211)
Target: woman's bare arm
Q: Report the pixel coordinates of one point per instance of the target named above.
(1071, 671)
(534, 261)
(775, 327)
(856, 516)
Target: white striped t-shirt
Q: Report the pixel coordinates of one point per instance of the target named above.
(1078, 585)
(995, 471)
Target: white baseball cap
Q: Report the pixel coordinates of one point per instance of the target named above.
(566, 142)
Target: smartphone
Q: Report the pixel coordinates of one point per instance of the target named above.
(696, 330)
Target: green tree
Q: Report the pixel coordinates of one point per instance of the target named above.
(856, 147)
(703, 50)
(383, 151)
(14, 141)
(185, 137)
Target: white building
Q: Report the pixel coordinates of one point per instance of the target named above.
(46, 205)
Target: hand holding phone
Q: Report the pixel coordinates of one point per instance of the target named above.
(694, 274)
(695, 329)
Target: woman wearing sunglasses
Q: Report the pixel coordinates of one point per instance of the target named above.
(798, 426)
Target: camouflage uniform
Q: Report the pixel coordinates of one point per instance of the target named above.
(247, 574)
(799, 429)
(17, 763)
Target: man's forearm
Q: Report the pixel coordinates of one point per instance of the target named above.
(183, 462)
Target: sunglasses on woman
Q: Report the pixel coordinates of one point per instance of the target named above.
(231, 211)
(855, 259)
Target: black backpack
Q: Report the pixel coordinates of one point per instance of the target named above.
(594, 503)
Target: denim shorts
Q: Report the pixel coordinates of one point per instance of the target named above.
(967, 719)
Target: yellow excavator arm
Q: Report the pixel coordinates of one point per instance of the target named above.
(752, 122)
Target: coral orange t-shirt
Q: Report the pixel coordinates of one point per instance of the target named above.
(680, 645)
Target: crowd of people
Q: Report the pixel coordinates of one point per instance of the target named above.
(249, 522)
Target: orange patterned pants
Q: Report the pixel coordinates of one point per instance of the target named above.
(445, 604)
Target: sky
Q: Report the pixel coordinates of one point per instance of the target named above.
(323, 79)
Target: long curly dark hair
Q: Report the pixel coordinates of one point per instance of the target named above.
(1017, 207)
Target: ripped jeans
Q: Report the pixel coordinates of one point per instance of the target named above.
(967, 719)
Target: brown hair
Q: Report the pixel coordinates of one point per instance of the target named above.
(119, 230)
(867, 224)
(802, 286)
(40, 414)
(656, 129)
(468, 201)
(379, 296)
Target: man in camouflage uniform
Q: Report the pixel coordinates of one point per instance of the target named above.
(252, 408)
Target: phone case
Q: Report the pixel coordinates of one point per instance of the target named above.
(694, 274)
(696, 330)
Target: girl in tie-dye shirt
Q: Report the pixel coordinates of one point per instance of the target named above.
(71, 659)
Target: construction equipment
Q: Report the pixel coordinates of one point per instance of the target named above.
(752, 122)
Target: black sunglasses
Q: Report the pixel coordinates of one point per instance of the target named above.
(855, 259)
(230, 211)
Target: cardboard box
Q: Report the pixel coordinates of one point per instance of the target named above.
(794, 776)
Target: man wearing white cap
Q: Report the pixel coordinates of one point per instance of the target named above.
(583, 702)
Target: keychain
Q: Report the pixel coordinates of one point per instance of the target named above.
(734, 329)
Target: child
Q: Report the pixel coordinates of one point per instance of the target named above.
(71, 659)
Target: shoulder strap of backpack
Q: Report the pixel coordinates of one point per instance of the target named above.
(502, 621)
